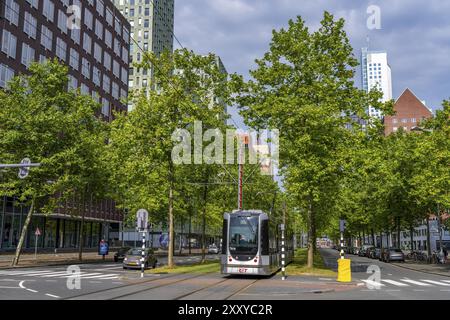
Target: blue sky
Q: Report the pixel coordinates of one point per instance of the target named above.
(415, 33)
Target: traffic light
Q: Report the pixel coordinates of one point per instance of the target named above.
(342, 225)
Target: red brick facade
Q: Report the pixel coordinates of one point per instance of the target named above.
(409, 112)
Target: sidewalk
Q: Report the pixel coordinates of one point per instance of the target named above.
(438, 269)
(45, 259)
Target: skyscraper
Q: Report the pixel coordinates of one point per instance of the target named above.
(151, 30)
(376, 73)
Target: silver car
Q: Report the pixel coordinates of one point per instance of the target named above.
(133, 257)
(394, 255)
(213, 249)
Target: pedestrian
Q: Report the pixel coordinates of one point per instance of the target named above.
(444, 249)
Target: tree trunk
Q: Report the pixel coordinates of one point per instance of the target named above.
(381, 239)
(373, 237)
(181, 237)
(311, 235)
(205, 195)
(15, 261)
(190, 228)
(411, 236)
(398, 233)
(205, 201)
(171, 229)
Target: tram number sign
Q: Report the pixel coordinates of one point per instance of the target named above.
(243, 270)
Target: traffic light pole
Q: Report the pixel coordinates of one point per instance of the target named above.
(143, 254)
(342, 245)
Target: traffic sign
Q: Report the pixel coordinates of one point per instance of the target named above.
(37, 232)
(23, 171)
(142, 219)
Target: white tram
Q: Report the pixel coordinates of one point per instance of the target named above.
(251, 244)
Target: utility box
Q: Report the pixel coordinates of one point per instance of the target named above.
(344, 270)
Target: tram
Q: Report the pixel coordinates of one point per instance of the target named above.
(251, 244)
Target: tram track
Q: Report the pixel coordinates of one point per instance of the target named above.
(123, 286)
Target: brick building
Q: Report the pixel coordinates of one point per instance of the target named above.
(409, 112)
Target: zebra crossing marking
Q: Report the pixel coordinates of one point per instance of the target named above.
(437, 282)
(59, 274)
(396, 283)
(418, 283)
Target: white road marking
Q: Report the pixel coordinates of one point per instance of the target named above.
(3, 287)
(95, 282)
(437, 282)
(446, 281)
(54, 274)
(326, 279)
(417, 283)
(395, 283)
(102, 275)
(373, 283)
(15, 273)
(81, 275)
(32, 290)
(21, 284)
(53, 296)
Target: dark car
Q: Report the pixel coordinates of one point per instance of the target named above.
(133, 257)
(394, 254)
(376, 253)
(371, 253)
(120, 254)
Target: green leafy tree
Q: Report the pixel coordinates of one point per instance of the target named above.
(41, 120)
(304, 87)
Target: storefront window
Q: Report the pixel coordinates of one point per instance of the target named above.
(50, 233)
(71, 234)
(95, 233)
(7, 231)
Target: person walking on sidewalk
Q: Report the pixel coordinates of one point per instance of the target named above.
(444, 249)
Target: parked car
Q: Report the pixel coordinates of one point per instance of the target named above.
(356, 251)
(133, 257)
(376, 253)
(212, 248)
(120, 254)
(363, 252)
(371, 252)
(394, 254)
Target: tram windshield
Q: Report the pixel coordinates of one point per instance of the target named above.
(244, 235)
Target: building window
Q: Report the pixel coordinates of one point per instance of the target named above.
(46, 38)
(394, 129)
(84, 89)
(73, 82)
(109, 16)
(404, 120)
(99, 29)
(105, 107)
(88, 18)
(75, 35)
(394, 120)
(96, 75)
(12, 12)
(106, 84)
(33, 3)
(6, 74)
(100, 7)
(108, 38)
(62, 22)
(30, 25)
(61, 49)
(48, 10)
(107, 61)
(74, 58)
(87, 43)
(85, 68)
(9, 43)
(116, 68)
(115, 90)
(118, 27)
(124, 76)
(413, 120)
(117, 46)
(27, 55)
(97, 52)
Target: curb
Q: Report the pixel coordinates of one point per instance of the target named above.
(429, 272)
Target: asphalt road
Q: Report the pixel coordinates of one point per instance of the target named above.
(109, 281)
